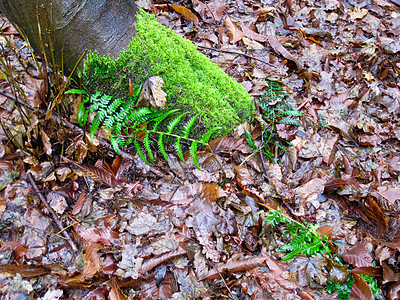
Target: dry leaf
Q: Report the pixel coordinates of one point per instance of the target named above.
(152, 93)
(46, 142)
(234, 33)
(360, 289)
(186, 13)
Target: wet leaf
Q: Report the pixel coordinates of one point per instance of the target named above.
(358, 255)
(26, 271)
(360, 289)
(235, 266)
(100, 235)
(57, 202)
(243, 177)
(308, 269)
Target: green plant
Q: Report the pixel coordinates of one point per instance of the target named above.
(305, 240)
(129, 124)
(343, 290)
(192, 82)
(304, 237)
(276, 108)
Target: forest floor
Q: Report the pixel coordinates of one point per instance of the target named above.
(317, 221)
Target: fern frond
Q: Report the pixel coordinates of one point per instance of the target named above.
(249, 140)
(178, 148)
(193, 154)
(292, 113)
(109, 122)
(207, 135)
(139, 151)
(83, 113)
(116, 142)
(188, 126)
(165, 115)
(146, 143)
(161, 147)
(290, 121)
(98, 119)
(174, 122)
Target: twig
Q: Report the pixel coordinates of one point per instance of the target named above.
(55, 217)
(65, 122)
(238, 53)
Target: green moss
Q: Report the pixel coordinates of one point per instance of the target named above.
(192, 82)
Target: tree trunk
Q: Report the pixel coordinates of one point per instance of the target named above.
(75, 25)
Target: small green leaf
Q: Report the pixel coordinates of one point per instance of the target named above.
(114, 144)
(174, 122)
(161, 146)
(290, 121)
(76, 92)
(207, 135)
(140, 152)
(249, 140)
(178, 148)
(146, 143)
(188, 126)
(292, 113)
(193, 154)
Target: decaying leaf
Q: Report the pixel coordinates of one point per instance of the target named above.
(235, 266)
(358, 255)
(308, 269)
(152, 93)
(234, 33)
(361, 289)
(186, 13)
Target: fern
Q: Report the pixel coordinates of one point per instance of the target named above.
(128, 123)
(304, 238)
(276, 108)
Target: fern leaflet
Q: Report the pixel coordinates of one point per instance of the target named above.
(193, 154)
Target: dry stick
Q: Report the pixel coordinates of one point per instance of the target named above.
(65, 122)
(238, 53)
(55, 217)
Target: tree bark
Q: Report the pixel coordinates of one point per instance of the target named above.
(106, 26)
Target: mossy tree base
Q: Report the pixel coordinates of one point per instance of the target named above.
(192, 82)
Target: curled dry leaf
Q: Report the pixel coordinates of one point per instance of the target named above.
(26, 271)
(152, 93)
(92, 260)
(278, 48)
(46, 142)
(186, 13)
(100, 235)
(234, 33)
(16, 247)
(235, 266)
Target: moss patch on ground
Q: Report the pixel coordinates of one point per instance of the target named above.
(192, 82)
